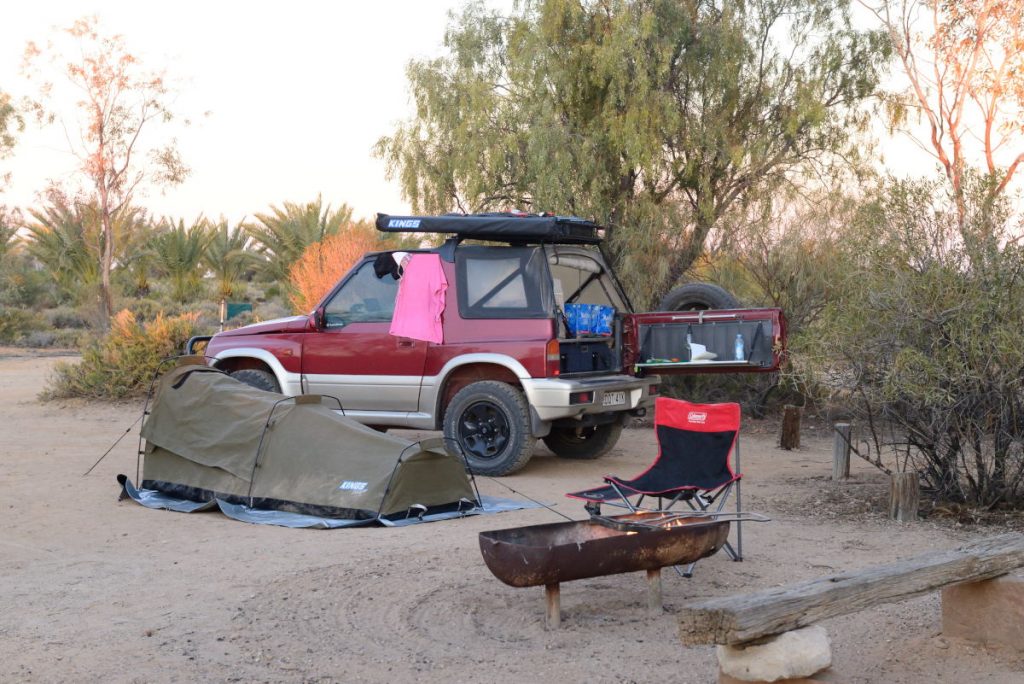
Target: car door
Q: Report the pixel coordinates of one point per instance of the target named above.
(354, 358)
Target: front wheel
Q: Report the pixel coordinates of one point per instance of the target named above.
(490, 422)
(260, 379)
(584, 443)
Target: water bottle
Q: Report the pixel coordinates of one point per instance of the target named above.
(739, 347)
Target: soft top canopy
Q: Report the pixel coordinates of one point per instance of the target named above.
(499, 227)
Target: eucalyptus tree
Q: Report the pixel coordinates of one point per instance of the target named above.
(963, 62)
(282, 235)
(11, 123)
(116, 102)
(659, 116)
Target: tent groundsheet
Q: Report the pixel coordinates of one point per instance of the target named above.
(158, 500)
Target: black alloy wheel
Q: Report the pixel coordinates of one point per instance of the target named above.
(483, 430)
(488, 423)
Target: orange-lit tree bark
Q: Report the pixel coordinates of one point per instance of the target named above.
(115, 100)
(964, 60)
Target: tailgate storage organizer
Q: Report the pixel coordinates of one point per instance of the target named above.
(664, 345)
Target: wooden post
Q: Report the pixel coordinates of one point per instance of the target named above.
(553, 615)
(841, 452)
(904, 495)
(790, 437)
(654, 603)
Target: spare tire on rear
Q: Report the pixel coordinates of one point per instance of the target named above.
(698, 297)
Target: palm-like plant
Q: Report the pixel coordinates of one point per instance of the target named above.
(227, 257)
(178, 255)
(65, 239)
(283, 235)
(135, 258)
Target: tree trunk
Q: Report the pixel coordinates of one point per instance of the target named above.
(904, 496)
(789, 438)
(106, 260)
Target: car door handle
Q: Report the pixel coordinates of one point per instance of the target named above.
(405, 343)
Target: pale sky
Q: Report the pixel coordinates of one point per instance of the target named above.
(298, 93)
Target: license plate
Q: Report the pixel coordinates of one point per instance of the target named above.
(613, 398)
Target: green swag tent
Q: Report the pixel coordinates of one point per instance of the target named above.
(211, 438)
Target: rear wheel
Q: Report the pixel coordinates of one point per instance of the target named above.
(260, 379)
(584, 443)
(490, 422)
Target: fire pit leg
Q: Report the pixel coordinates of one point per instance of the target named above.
(553, 616)
(654, 603)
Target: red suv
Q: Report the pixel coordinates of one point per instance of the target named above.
(517, 362)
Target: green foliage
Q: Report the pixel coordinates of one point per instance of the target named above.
(178, 254)
(658, 116)
(922, 335)
(65, 317)
(64, 238)
(8, 232)
(11, 122)
(123, 362)
(135, 255)
(283, 235)
(16, 324)
(227, 257)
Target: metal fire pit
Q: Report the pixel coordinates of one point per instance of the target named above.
(561, 552)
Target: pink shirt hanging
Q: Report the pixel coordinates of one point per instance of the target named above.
(420, 299)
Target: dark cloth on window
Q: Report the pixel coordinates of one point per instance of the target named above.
(385, 264)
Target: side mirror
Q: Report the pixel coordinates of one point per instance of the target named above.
(319, 318)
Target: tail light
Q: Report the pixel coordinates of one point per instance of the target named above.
(552, 359)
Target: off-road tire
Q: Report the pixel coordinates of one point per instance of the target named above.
(584, 443)
(698, 297)
(260, 379)
(490, 422)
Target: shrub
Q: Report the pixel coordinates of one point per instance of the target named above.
(923, 340)
(16, 324)
(66, 317)
(323, 263)
(23, 286)
(123, 362)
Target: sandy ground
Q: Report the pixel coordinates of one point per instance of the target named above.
(95, 589)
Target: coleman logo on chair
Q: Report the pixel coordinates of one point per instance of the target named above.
(697, 417)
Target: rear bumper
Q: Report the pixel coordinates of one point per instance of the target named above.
(549, 397)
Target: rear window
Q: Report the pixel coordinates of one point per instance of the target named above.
(503, 282)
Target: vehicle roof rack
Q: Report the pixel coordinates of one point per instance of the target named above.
(499, 227)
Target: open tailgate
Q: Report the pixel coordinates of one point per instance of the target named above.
(657, 342)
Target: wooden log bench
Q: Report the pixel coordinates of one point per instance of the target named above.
(976, 605)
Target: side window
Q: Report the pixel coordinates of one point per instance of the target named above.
(503, 282)
(364, 298)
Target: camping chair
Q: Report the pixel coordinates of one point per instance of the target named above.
(695, 446)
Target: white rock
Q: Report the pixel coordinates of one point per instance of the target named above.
(799, 653)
